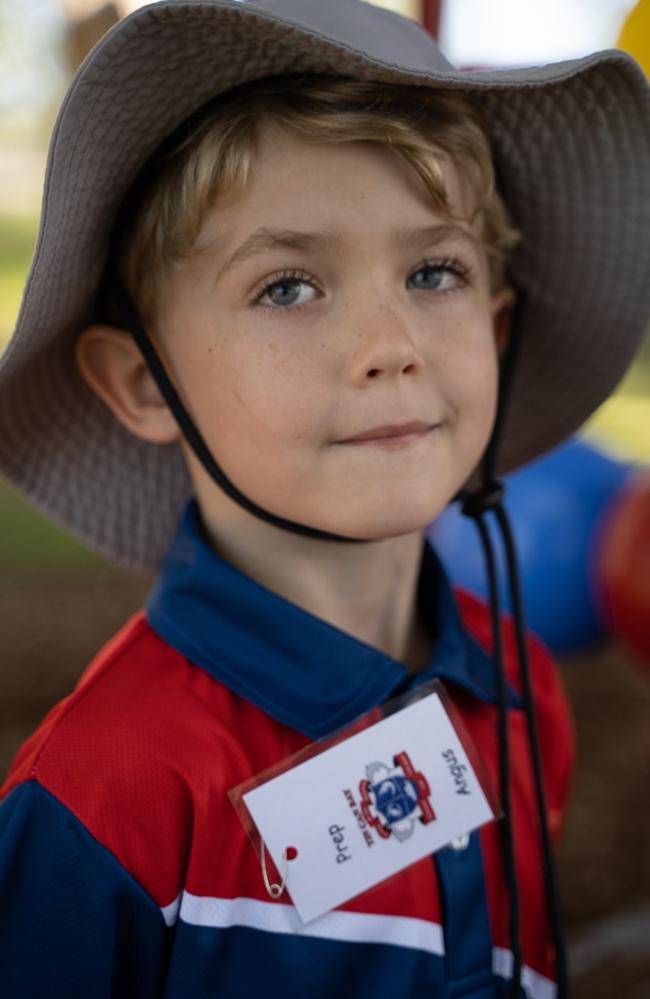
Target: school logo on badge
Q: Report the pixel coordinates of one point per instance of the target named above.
(394, 798)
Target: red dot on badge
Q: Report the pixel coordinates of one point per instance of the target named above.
(291, 853)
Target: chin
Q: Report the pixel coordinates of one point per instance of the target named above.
(377, 525)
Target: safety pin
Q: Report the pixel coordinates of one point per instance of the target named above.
(274, 890)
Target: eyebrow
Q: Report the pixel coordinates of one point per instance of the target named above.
(265, 239)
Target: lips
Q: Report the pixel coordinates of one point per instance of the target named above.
(390, 431)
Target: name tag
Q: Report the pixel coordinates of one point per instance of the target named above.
(355, 809)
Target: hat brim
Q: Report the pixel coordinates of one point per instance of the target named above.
(571, 144)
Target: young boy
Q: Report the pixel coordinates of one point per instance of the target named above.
(268, 335)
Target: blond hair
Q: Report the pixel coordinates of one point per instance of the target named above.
(214, 153)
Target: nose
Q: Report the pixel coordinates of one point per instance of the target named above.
(383, 348)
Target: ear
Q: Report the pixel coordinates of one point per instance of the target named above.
(111, 364)
(502, 313)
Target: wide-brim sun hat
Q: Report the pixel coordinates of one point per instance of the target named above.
(571, 145)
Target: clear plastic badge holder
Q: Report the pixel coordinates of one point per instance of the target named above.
(352, 810)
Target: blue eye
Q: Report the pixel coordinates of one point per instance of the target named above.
(284, 292)
(441, 275)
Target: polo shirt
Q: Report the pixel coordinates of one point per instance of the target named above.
(125, 871)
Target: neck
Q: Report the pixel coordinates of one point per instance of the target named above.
(367, 590)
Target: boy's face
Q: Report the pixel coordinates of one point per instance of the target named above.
(354, 320)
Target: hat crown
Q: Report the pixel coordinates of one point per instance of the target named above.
(379, 33)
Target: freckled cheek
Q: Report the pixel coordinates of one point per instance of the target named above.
(470, 380)
(270, 395)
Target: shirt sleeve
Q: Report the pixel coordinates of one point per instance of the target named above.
(73, 921)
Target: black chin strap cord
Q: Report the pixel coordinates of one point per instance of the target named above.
(474, 505)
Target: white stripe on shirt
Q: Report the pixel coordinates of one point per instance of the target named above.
(274, 917)
(350, 927)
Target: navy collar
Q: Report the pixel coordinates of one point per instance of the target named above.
(299, 669)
